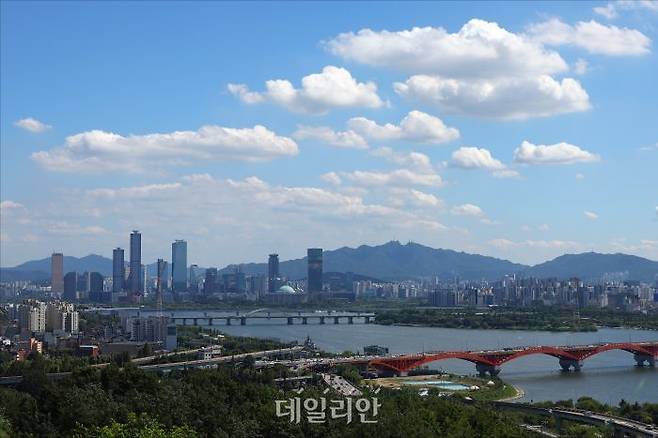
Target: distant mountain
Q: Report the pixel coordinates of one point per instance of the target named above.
(593, 266)
(393, 260)
(41, 268)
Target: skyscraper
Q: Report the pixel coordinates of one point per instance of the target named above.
(57, 273)
(134, 280)
(179, 266)
(314, 258)
(210, 283)
(95, 286)
(71, 286)
(160, 278)
(273, 273)
(118, 270)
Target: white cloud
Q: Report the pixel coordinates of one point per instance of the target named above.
(652, 147)
(480, 158)
(608, 11)
(592, 36)
(611, 10)
(415, 126)
(580, 176)
(508, 98)
(475, 158)
(344, 139)
(560, 153)
(414, 160)
(320, 92)
(467, 210)
(591, 215)
(331, 178)
(32, 125)
(502, 243)
(580, 67)
(99, 151)
(10, 205)
(543, 227)
(396, 178)
(480, 49)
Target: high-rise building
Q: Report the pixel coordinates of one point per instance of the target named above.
(135, 280)
(57, 273)
(95, 285)
(118, 270)
(273, 277)
(194, 278)
(179, 266)
(71, 286)
(210, 283)
(314, 279)
(159, 281)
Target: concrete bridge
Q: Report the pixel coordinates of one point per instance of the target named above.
(570, 357)
(290, 318)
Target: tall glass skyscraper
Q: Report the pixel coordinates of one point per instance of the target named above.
(134, 280)
(179, 265)
(273, 273)
(57, 273)
(314, 281)
(118, 270)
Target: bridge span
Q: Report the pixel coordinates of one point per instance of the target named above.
(290, 318)
(570, 357)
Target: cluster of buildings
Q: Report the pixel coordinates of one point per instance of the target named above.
(38, 323)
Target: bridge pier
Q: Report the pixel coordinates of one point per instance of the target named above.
(210, 321)
(336, 320)
(567, 364)
(304, 320)
(268, 315)
(483, 369)
(290, 321)
(322, 320)
(195, 321)
(350, 320)
(366, 319)
(228, 321)
(640, 359)
(243, 320)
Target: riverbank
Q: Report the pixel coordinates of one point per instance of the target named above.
(451, 384)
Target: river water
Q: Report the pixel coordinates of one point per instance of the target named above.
(607, 377)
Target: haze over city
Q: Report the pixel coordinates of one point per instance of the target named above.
(522, 133)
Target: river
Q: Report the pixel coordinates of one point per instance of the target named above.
(607, 377)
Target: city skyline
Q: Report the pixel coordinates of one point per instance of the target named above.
(337, 138)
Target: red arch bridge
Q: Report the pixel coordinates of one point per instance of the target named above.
(489, 361)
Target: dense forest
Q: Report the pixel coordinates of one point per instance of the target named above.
(232, 401)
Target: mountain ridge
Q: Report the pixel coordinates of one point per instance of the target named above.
(396, 261)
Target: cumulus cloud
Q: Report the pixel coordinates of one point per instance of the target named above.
(503, 243)
(395, 178)
(345, 139)
(331, 178)
(611, 10)
(400, 197)
(591, 215)
(482, 70)
(320, 92)
(416, 126)
(560, 153)
(594, 37)
(413, 160)
(99, 151)
(509, 98)
(467, 210)
(480, 158)
(580, 66)
(479, 48)
(580, 176)
(32, 125)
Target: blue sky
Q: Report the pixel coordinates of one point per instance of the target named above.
(518, 130)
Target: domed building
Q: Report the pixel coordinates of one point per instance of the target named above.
(285, 289)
